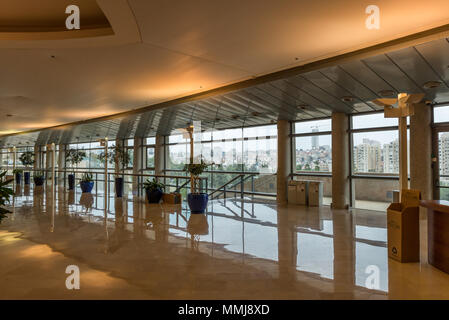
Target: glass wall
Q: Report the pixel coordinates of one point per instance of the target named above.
(232, 152)
(375, 160)
(441, 119)
(312, 141)
(7, 156)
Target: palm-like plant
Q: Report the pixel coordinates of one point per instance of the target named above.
(5, 194)
(153, 185)
(74, 157)
(118, 156)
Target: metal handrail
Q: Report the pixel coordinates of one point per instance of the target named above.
(182, 186)
(112, 173)
(221, 187)
(241, 182)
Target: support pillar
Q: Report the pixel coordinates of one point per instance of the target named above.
(138, 160)
(61, 162)
(340, 161)
(421, 151)
(284, 160)
(37, 157)
(159, 156)
(421, 175)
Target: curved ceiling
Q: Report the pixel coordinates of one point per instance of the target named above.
(45, 19)
(167, 49)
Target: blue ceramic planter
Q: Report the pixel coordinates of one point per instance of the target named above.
(154, 196)
(18, 178)
(27, 177)
(197, 202)
(38, 181)
(86, 186)
(119, 187)
(71, 178)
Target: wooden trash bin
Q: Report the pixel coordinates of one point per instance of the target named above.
(403, 227)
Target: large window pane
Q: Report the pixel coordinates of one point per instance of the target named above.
(228, 155)
(314, 153)
(150, 157)
(260, 155)
(376, 152)
(260, 131)
(374, 120)
(151, 140)
(313, 126)
(178, 156)
(441, 114)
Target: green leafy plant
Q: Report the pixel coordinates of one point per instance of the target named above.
(86, 177)
(153, 185)
(27, 158)
(118, 156)
(39, 174)
(195, 170)
(74, 157)
(5, 194)
(19, 171)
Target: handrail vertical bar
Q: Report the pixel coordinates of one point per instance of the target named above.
(241, 187)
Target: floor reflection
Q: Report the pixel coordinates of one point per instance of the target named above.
(293, 252)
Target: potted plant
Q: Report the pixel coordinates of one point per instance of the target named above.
(153, 189)
(74, 157)
(27, 159)
(86, 183)
(120, 157)
(5, 194)
(18, 174)
(197, 200)
(39, 178)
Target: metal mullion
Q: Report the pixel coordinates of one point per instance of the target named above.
(323, 133)
(375, 129)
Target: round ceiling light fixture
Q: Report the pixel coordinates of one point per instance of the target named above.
(432, 84)
(387, 93)
(347, 99)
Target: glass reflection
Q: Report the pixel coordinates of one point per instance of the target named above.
(295, 242)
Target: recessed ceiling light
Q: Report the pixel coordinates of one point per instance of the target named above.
(303, 106)
(387, 93)
(347, 99)
(52, 56)
(431, 84)
(9, 115)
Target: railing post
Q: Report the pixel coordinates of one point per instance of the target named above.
(241, 187)
(224, 192)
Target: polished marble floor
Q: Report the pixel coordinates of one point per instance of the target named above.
(240, 249)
